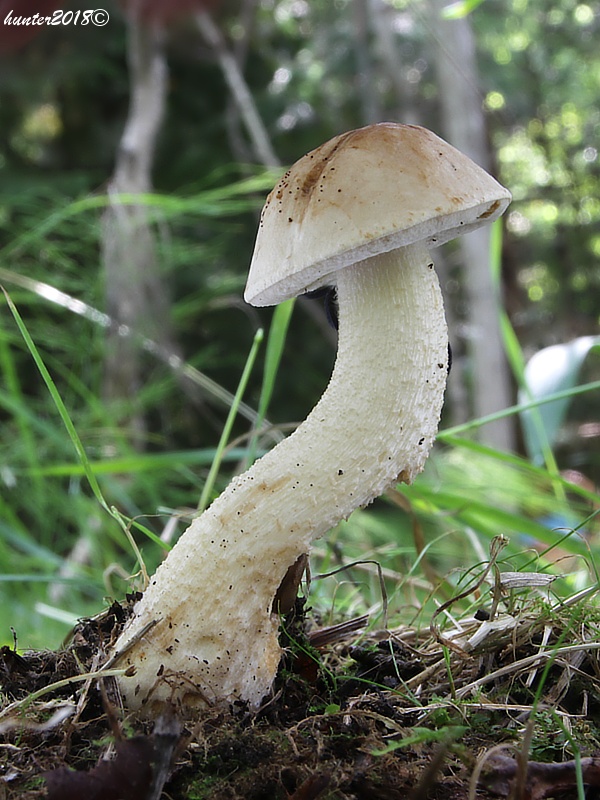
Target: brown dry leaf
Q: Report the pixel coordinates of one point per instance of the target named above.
(128, 776)
(543, 780)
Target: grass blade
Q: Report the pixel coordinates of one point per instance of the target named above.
(216, 464)
(60, 406)
(73, 435)
(274, 351)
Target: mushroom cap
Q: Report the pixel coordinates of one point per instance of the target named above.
(365, 192)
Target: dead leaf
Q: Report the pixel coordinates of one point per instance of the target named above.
(543, 780)
(128, 776)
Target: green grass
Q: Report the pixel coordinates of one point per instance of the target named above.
(467, 495)
(80, 510)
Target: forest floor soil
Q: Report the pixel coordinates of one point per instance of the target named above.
(353, 715)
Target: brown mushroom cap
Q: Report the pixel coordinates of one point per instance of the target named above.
(365, 192)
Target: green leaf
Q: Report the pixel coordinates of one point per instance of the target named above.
(277, 334)
(274, 351)
(423, 736)
(516, 359)
(551, 370)
(247, 371)
(460, 9)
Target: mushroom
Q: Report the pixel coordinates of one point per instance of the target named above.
(358, 213)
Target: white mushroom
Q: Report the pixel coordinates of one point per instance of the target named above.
(358, 213)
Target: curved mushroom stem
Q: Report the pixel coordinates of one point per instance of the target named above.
(214, 640)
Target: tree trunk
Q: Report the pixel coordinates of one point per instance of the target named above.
(386, 45)
(136, 298)
(464, 127)
(365, 74)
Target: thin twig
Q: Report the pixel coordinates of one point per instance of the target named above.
(239, 90)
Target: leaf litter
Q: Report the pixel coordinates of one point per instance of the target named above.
(503, 703)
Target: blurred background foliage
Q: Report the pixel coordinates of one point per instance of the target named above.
(311, 70)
